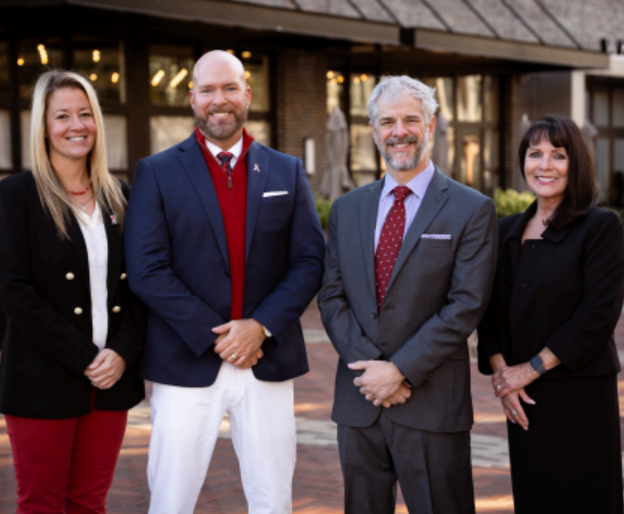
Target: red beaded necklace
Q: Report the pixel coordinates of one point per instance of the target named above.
(79, 193)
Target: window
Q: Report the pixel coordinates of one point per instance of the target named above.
(335, 90)
(166, 131)
(102, 62)
(5, 140)
(363, 152)
(35, 57)
(4, 70)
(171, 70)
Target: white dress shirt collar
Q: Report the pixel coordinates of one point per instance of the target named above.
(236, 150)
(418, 184)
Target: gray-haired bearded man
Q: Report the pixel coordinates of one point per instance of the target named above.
(408, 273)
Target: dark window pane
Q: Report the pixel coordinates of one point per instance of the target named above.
(601, 107)
(257, 75)
(102, 62)
(34, 57)
(490, 98)
(171, 70)
(618, 107)
(602, 166)
(4, 70)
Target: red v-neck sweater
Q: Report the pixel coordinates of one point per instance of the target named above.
(233, 203)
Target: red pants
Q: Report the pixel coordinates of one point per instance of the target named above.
(65, 466)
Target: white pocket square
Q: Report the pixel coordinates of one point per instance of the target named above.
(274, 193)
(436, 236)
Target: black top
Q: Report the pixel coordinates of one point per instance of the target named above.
(45, 293)
(564, 291)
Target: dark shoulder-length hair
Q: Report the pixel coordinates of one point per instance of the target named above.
(581, 194)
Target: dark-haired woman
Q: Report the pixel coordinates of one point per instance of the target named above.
(547, 336)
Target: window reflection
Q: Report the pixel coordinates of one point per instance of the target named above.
(618, 107)
(601, 107)
(446, 97)
(116, 141)
(171, 71)
(103, 63)
(166, 131)
(34, 57)
(257, 75)
(260, 130)
(362, 149)
(602, 166)
(5, 140)
(335, 90)
(362, 86)
(25, 118)
(470, 166)
(490, 98)
(469, 98)
(490, 161)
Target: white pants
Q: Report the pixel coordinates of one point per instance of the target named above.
(185, 427)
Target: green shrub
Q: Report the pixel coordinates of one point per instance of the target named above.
(323, 207)
(511, 202)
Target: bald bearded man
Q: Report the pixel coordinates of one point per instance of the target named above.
(225, 247)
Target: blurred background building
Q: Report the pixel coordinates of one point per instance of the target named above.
(495, 63)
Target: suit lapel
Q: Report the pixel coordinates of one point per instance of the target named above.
(368, 219)
(257, 171)
(194, 163)
(431, 204)
(115, 254)
(79, 247)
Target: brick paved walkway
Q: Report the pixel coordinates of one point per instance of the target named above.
(318, 481)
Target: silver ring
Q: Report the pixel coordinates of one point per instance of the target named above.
(498, 387)
(513, 413)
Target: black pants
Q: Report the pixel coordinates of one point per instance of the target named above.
(434, 470)
(570, 459)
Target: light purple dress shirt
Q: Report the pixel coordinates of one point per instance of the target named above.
(418, 185)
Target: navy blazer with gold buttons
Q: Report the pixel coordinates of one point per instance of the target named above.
(564, 291)
(45, 293)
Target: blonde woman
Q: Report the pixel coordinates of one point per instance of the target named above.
(68, 373)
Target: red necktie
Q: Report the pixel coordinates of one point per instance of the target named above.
(390, 241)
(224, 159)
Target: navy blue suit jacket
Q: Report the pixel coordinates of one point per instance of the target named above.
(178, 264)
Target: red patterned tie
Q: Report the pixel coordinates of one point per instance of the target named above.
(390, 241)
(224, 159)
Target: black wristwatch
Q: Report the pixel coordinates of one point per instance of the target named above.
(538, 364)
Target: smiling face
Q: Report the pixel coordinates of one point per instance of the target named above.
(220, 98)
(546, 170)
(70, 127)
(402, 134)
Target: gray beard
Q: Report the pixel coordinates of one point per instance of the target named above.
(220, 132)
(421, 150)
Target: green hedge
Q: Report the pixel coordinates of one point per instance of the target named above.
(511, 202)
(323, 207)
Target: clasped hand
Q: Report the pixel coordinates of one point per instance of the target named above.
(106, 369)
(509, 383)
(381, 383)
(239, 342)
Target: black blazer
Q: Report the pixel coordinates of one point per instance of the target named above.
(564, 292)
(48, 343)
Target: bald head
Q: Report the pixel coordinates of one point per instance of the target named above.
(218, 61)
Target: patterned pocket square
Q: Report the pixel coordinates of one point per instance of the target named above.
(436, 236)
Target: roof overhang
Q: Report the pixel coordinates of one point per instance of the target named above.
(256, 17)
(503, 49)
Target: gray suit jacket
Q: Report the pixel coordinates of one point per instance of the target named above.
(438, 292)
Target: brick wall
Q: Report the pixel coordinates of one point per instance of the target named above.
(301, 106)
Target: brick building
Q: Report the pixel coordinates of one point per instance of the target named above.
(493, 61)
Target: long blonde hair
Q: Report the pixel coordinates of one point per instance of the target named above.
(55, 199)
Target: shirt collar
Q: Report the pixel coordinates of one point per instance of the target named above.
(418, 185)
(236, 150)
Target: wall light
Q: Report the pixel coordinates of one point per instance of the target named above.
(158, 77)
(43, 54)
(20, 62)
(246, 54)
(178, 78)
(309, 155)
(230, 52)
(96, 56)
(247, 74)
(340, 79)
(190, 85)
(330, 74)
(93, 77)
(115, 78)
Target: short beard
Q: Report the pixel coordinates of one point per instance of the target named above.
(422, 147)
(220, 132)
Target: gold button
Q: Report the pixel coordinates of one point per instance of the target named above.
(78, 311)
(70, 276)
(116, 308)
(123, 276)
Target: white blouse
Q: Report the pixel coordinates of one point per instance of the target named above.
(95, 238)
